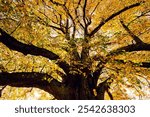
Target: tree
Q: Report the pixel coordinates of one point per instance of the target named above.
(87, 47)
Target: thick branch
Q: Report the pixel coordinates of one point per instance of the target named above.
(131, 48)
(23, 79)
(140, 64)
(97, 73)
(86, 21)
(135, 38)
(31, 79)
(84, 11)
(109, 93)
(112, 16)
(65, 66)
(101, 89)
(28, 79)
(145, 64)
(13, 44)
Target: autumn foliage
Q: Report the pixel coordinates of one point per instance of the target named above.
(76, 49)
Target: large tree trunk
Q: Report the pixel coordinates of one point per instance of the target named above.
(78, 88)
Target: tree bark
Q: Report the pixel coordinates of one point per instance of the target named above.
(13, 44)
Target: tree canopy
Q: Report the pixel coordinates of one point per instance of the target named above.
(76, 49)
